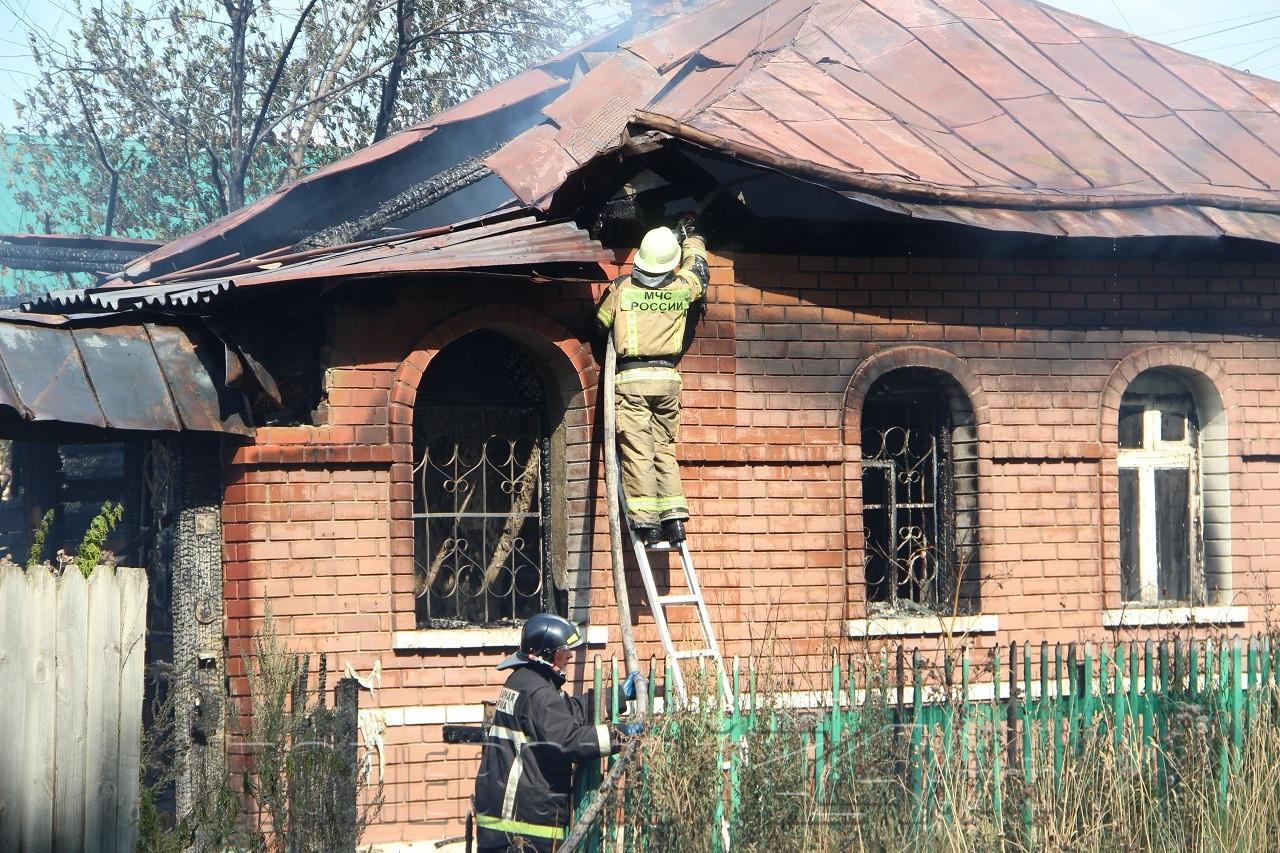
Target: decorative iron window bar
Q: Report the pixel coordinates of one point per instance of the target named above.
(908, 514)
(480, 534)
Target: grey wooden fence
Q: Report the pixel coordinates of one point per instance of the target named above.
(71, 672)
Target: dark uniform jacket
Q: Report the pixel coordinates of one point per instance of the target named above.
(526, 773)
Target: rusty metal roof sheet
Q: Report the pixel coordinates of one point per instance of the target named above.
(532, 84)
(142, 376)
(1003, 114)
(519, 241)
(1025, 116)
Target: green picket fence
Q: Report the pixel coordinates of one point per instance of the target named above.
(909, 739)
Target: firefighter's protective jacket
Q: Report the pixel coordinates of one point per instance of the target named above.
(526, 773)
(649, 321)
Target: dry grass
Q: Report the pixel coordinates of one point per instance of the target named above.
(1108, 797)
(300, 791)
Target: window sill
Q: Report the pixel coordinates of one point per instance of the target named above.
(1138, 617)
(448, 639)
(920, 626)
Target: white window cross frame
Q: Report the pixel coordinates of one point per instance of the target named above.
(1159, 455)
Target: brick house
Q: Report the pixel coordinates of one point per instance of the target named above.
(990, 353)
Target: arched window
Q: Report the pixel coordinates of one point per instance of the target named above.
(919, 494)
(481, 448)
(1161, 508)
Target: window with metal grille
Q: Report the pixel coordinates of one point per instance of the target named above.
(1159, 480)
(480, 479)
(907, 492)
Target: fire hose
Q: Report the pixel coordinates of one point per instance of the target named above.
(588, 817)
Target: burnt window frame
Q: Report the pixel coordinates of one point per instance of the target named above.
(1140, 552)
(466, 397)
(955, 588)
(74, 479)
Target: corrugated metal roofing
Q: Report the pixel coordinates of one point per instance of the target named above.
(1003, 114)
(521, 241)
(71, 369)
(143, 376)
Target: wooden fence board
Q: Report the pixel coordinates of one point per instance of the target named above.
(133, 632)
(71, 666)
(102, 743)
(71, 650)
(37, 691)
(13, 723)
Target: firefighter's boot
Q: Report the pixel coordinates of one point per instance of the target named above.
(673, 531)
(648, 534)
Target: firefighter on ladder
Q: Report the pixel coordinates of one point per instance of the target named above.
(647, 313)
(538, 734)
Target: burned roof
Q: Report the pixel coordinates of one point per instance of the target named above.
(71, 252)
(1005, 115)
(95, 358)
(149, 376)
(494, 246)
(1001, 114)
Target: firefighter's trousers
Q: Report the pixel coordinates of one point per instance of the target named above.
(648, 428)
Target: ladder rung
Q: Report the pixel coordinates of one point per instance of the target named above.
(660, 546)
(668, 600)
(696, 653)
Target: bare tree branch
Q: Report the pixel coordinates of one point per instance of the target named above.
(255, 136)
(91, 125)
(405, 10)
(322, 92)
(215, 173)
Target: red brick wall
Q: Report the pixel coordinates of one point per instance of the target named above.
(316, 519)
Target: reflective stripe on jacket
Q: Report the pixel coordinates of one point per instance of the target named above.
(649, 322)
(526, 772)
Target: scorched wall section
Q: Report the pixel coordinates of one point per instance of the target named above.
(317, 519)
(1043, 350)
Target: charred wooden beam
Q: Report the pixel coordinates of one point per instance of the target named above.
(64, 259)
(415, 198)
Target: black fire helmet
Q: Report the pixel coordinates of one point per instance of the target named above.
(543, 636)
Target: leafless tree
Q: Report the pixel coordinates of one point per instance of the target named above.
(155, 118)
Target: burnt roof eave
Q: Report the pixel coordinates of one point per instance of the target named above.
(933, 194)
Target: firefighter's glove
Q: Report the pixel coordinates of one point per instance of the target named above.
(631, 729)
(686, 226)
(629, 686)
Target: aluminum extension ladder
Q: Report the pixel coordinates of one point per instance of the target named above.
(657, 603)
(693, 598)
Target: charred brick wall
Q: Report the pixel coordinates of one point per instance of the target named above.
(316, 518)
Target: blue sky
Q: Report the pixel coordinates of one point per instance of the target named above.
(1242, 33)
